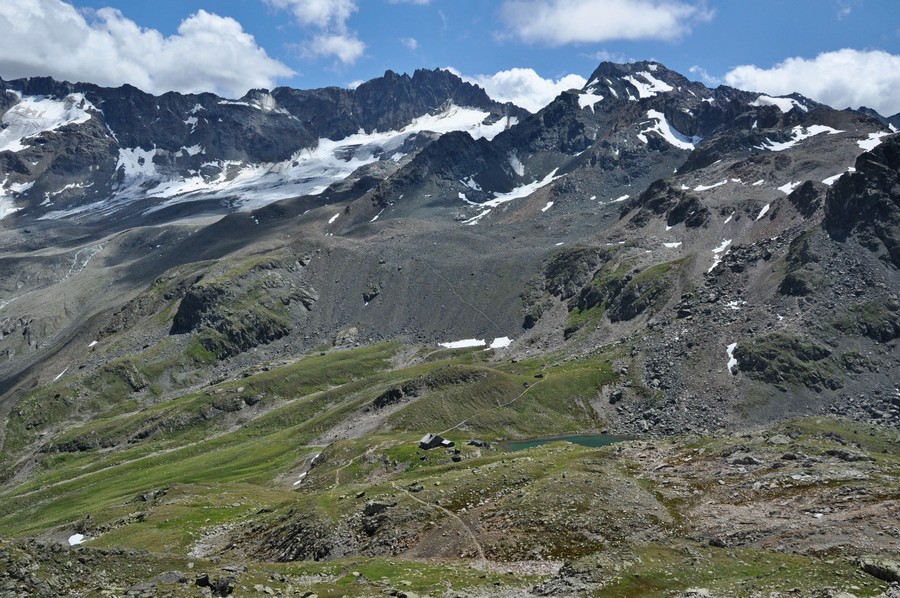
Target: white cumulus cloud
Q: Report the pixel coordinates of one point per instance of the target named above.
(208, 53)
(842, 78)
(321, 13)
(346, 48)
(330, 18)
(524, 87)
(559, 22)
(410, 42)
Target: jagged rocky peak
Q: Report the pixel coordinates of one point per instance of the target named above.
(890, 121)
(391, 101)
(134, 147)
(689, 106)
(637, 80)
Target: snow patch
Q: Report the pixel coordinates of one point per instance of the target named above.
(833, 179)
(136, 165)
(758, 183)
(464, 344)
(237, 103)
(465, 198)
(783, 104)
(76, 539)
(516, 164)
(7, 204)
(672, 245)
(588, 99)
(500, 343)
(708, 187)
(788, 187)
(649, 87)
(523, 191)
(763, 211)
(732, 361)
(475, 219)
(192, 122)
(471, 184)
(191, 151)
(718, 252)
(667, 132)
(723, 246)
(727, 220)
(34, 115)
(618, 199)
(547, 207)
(333, 218)
(798, 134)
(872, 141)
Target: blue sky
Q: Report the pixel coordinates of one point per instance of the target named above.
(842, 52)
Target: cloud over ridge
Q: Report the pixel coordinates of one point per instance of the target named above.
(842, 78)
(524, 87)
(208, 53)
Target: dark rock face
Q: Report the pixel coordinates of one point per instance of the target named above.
(662, 198)
(261, 127)
(866, 204)
(452, 157)
(386, 103)
(808, 198)
(570, 270)
(804, 274)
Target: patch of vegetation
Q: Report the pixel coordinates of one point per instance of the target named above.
(784, 359)
(658, 570)
(878, 320)
(502, 404)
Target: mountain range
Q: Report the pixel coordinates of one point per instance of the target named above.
(205, 299)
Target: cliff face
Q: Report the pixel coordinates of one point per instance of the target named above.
(866, 204)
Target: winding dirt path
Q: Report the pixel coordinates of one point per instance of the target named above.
(450, 514)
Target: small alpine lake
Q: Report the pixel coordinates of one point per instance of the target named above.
(589, 440)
